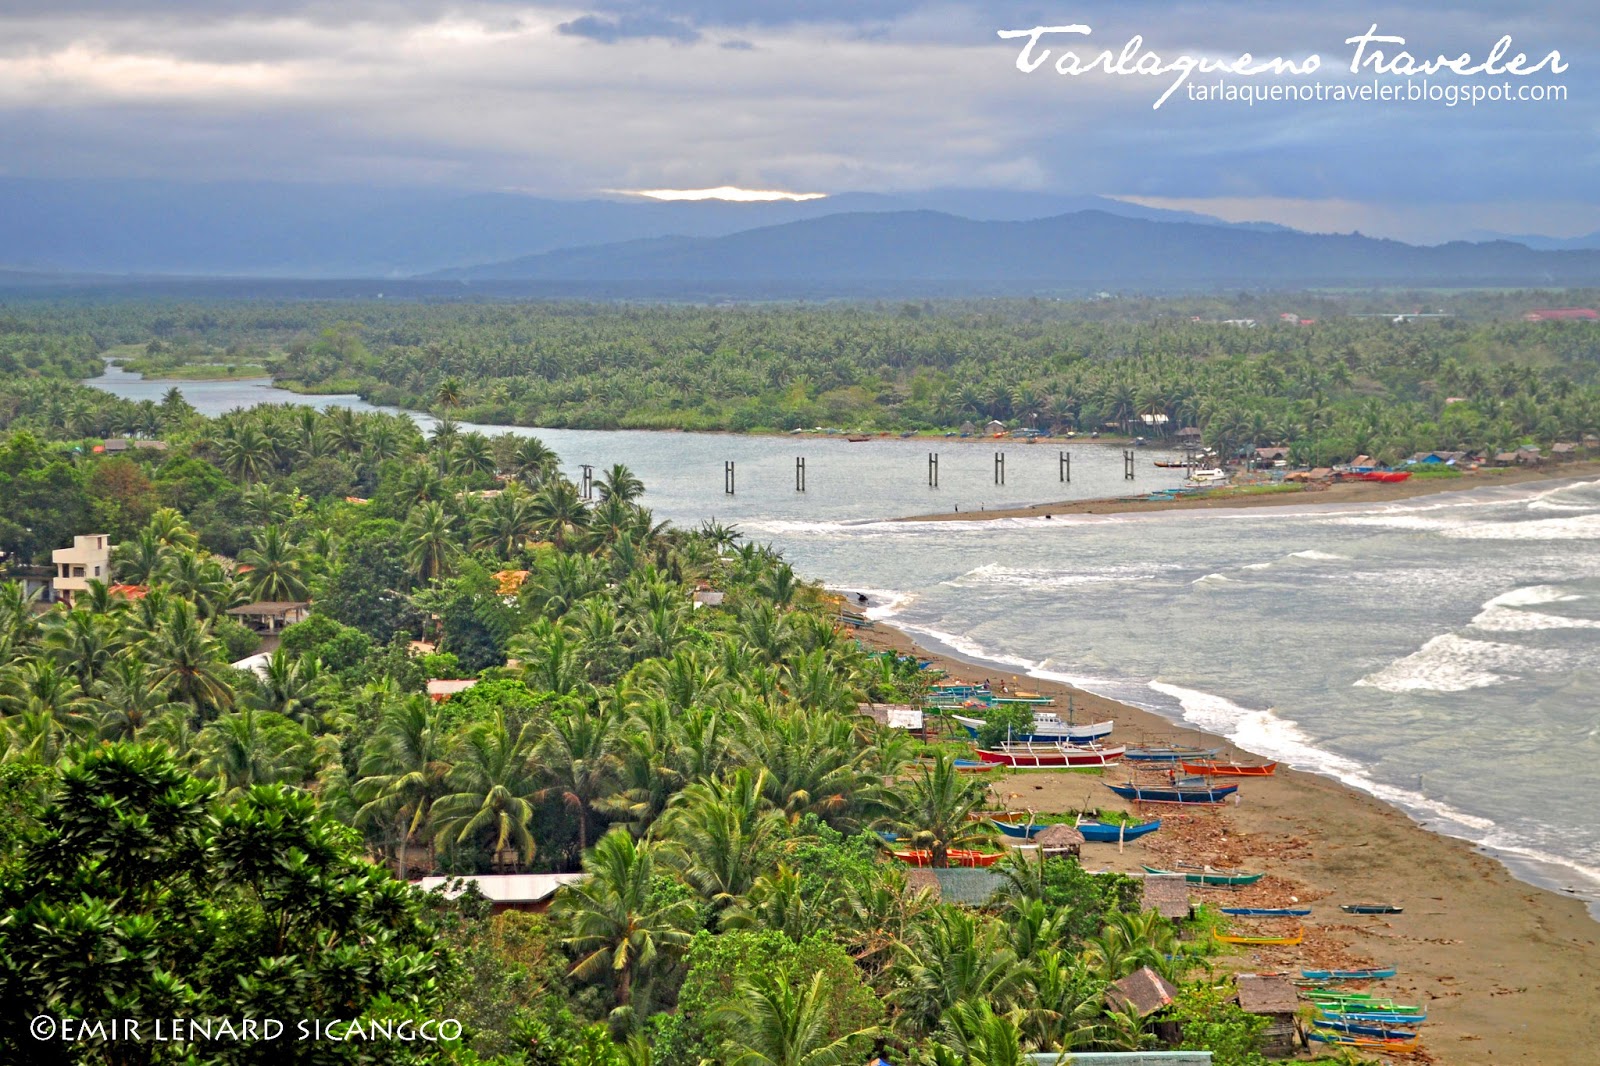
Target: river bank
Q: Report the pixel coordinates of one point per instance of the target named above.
(1356, 492)
(1508, 972)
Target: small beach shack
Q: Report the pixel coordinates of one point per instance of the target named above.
(1168, 896)
(1059, 839)
(1143, 990)
(1273, 998)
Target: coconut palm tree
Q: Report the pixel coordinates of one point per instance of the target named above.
(981, 1037)
(287, 686)
(131, 699)
(533, 461)
(430, 534)
(952, 955)
(188, 661)
(576, 758)
(472, 455)
(619, 483)
(492, 783)
(277, 567)
(250, 747)
(931, 808)
(199, 580)
(405, 768)
(773, 1022)
(619, 925)
(503, 525)
(558, 513)
(725, 828)
(83, 643)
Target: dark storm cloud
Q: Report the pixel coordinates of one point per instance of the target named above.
(569, 98)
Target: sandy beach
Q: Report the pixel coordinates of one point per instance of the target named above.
(1342, 492)
(1509, 973)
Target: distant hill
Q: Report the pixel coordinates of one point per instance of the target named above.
(266, 229)
(1534, 240)
(1085, 248)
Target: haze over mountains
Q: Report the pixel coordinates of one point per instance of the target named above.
(939, 241)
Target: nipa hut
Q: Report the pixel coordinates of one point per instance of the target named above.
(1059, 840)
(1273, 998)
(1167, 896)
(1144, 990)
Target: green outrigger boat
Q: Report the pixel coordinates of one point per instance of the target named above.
(1207, 877)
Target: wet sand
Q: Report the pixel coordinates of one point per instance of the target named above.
(1343, 492)
(1509, 973)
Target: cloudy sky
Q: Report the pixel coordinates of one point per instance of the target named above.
(827, 96)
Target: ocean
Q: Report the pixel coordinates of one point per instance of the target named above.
(1440, 653)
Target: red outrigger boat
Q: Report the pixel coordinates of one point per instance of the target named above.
(1386, 476)
(1212, 768)
(1047, 755)
(957, 857)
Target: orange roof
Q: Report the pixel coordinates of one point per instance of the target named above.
(511, 581)
(129, 592)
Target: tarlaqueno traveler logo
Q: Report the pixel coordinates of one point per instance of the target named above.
(1394, 71)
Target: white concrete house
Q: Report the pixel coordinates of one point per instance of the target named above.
(89, 559)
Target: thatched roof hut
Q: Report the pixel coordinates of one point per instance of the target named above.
(1273, 998)
(1167, 896)
(1058, 840)
(1144, 990)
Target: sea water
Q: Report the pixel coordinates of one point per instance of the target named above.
(1441, 653)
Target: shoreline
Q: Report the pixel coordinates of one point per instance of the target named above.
(1349, 492)
(1509, 971)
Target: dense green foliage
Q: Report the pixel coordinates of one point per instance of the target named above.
(205, 839)
(1344, 385)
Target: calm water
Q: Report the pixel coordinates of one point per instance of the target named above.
(1442, 654)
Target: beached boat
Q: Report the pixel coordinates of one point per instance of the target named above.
(1382, 1032)
(1169, 753)
(1098, 832)
(1208, 477)
(1101, 833)
(1365, 1004)
(972, 766)
(1173, 793)
(1370, 908)
(1373, 974)
(1212, 768)
(857, 438)
(1207, 877)
(1034, 756)
(1374, 1044)
(1293, 938)
(957, 857)
(1047, 728)
(1388, 477)
(1266, 912)
(1033, 699)
(1396, 1017)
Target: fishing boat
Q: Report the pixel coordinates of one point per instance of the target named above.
(1032, 699)
(972, 766)
(1293, 938)
(1388, 477)
(1374, 974)
(1212, 768)
(1098, 832)
(1174, 793)
(1033, 756)
(1047, 728)
(1207, 877)
(857, 438)
(1101, 833)
(1208, 477)
(1169, 753)
(1370, 908)
(1265, 912)
(1171, 464)
(1367, 1043)
(1356, 1028)
(956, 856)
(1338, 1005)
(1354, 1013)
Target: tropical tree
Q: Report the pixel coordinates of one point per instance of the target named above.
(430, 534)
(932, 807)
(621, 926)
(276, 567)
(492, 784)
(771, 1022)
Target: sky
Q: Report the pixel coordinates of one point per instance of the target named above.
(832, 96)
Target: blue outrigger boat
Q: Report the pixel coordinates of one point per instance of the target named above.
(1356, 1029)
(1392, 1017)
(1173, 794)
(1170, 753)
(1266, 912)
(1375, 974)
(1098, 832)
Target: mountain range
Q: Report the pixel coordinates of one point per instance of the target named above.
(109, 236)
(1080, 249)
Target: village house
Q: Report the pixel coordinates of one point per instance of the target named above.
(272, 615)
(441, 689)
(1273, 998)
(89, 559)
(1561, 314)
(505, 892)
